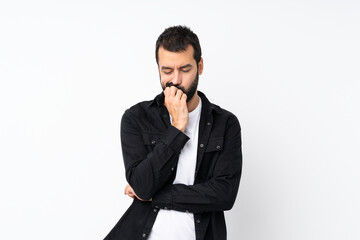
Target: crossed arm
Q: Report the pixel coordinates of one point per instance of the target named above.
(147, 174)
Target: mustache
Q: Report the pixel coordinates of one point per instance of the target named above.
(169, 84)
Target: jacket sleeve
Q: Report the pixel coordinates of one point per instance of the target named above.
(145, 171)
(216, 194)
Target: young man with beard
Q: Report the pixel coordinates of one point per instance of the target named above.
(182, 154)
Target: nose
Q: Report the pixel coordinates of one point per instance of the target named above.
(177, 77)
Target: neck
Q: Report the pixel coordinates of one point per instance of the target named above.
(192, 104)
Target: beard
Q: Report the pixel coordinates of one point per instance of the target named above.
(190, 92)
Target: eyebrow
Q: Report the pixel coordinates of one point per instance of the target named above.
(169, 68)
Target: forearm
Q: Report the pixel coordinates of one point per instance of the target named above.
(147, 172)
(217, 194)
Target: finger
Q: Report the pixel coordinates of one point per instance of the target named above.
(173, 90)
(179, 93)
(166, 91)
(184, 97)
(138, 197)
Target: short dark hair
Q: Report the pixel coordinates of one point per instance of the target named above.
(176, 39)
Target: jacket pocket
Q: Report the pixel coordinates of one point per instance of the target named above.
(215, 144)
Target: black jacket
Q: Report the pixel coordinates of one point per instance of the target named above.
(151, 148)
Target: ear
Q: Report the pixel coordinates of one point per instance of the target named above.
(201, 66)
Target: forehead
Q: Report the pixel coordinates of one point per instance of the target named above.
(167, 58)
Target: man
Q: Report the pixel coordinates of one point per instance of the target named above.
(182, 154)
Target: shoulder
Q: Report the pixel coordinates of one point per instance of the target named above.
(220, 111)
(224, 115)
(140, 109)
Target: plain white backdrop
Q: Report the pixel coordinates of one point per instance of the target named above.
(289, 70)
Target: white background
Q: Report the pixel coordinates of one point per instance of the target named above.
(288, 69)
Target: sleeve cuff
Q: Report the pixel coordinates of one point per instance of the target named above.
(175, 138)
(163, 198)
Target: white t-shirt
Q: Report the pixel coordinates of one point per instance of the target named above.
(171, 224)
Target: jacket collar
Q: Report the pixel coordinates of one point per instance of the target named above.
(159, 101)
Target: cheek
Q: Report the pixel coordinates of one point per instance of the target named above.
(190, 78)
(165, 79)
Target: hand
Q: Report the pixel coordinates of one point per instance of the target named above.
(175, 102)
(129, 191)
